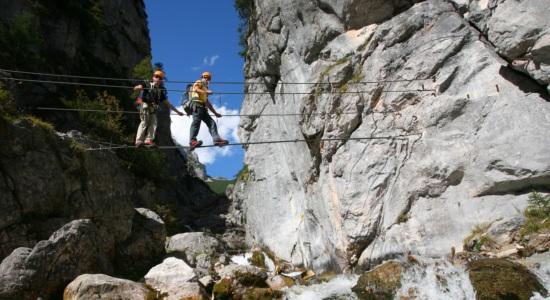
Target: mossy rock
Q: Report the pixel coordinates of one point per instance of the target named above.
(258, 259)
(381, 283)
(250, 279)
(495, 278)
(261, 294)
(222, 290)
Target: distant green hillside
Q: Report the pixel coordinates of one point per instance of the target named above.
(218, 186)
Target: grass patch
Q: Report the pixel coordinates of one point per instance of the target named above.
(39, 122)
(537, 214)
(402, 218)
(219, 186)
(244, 174)
(341, 61)
(479, 233)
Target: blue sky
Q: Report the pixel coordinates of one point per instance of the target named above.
(189, 37)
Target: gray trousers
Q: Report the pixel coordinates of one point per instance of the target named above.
(200, 113)
(148, 125)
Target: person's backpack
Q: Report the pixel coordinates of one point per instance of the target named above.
(186, 99)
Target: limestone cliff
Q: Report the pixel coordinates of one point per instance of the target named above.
(472, 114)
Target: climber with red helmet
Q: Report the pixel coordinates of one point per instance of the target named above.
(152, 93)
(199, 105)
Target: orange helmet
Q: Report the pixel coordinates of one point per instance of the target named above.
(207, 75)
(159, 73)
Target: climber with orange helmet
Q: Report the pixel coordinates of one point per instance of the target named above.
(152, 93)
(199, 105)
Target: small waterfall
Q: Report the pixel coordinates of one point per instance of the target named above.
(435, 279)
(338, 288)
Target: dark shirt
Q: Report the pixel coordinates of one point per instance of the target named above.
(153, 94)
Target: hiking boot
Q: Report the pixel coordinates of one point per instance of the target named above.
(194, 144)
(139, 144)
(150, 144)
(221, 142)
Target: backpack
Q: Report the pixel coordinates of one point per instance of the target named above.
(186, 99)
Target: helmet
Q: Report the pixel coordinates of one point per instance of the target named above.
(159, 73)
(207, 75)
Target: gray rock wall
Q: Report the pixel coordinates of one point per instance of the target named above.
(469, 151)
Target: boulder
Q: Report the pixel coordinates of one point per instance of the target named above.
(495, 278)
(190, 245)
(100, 286)
(245, 275)
(46, 269)
(279, 282)
(174, 279)
(382, 282)
(145, 246)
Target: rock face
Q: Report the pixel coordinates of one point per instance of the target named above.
(470, 132)
(519, 32)
(46, 183)
(99, 286)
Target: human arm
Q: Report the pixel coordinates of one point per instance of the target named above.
(170, 106)
(209, 105)
(139, 88)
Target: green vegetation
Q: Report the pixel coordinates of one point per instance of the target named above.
(144, 69)
(258, 259)
(39, 122)
(7, 105)
(101, 125)
(537, 214)
(76, 146)
(403, 217)
(219, 186)
(21, 41)
(480, 237)
(145, 164)
(245, 9)
(327, 70)
(222, 290)
(244, 174)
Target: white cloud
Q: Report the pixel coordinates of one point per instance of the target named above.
(207, 62)
(213, 60)
(227, 128)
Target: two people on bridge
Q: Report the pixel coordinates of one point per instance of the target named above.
(153, 93)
